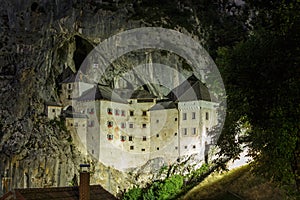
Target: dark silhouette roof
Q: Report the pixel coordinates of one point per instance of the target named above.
(100, 92)
(190, 90)
(142, 94)
(163, 105)
(97, 192)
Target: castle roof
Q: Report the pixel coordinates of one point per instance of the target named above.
(163, 105)
(70, 193)
(142, 94)
(190, 90)
(100, 92)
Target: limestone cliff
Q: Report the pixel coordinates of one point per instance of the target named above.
(41, 43)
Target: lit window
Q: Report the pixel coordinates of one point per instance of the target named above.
(131, 125)
(144, 138)
(109, 124)
(131, 113)
(144, 126)
(123, 125)
(110, 137)
(130, 138)
(144, 113)
(92, 111)
(123, 138)
(123, 113)
(131, 147)
(183, 116)
(206, 116)
(109, 111)
(117, 112)
(193, 115)
(194, 131)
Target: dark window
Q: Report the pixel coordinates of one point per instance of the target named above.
(193, 115)
(92, 111)
(175, 134)
(110, 137)
(206, 116)
(69, 86)
(123, 138)
(131, 125)
(144, 113)
(157, 121)
(194, 131)
(117, 112)
(194, 146)
(185, 147)
(92, 151)
(131, 147)
(131, 113)
(109, 124)
(183, 116)
(176, 148)
(144, 126)
(109, 111)
(144, 138)
(130, 138)
(143, 149)
(157, 148)
(184, 131)
(175, 119)
(53, 110)
(206, 130)
(157, 135)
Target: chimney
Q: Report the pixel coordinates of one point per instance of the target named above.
(84, 184)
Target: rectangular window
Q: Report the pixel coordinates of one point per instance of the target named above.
(117, 112)
(176, 148)
(69, 96)
(110, 137)
(175, 134)
(109, 124)
(144, 126)
(184, 131)
(157, 148)
(157, 121)
(123, 113)
(193, 115)
(194, 146)
(130, 138)
(144, 138)
(131, 113)
(131, 125)
(91, 123)
(95, 65)
(123, 125)
(76, 124)
(69, 86)
(157, 135)
(194, 131)
(185, 147)
(143, 149)
(131, 147)
(183, 116)
(109, 111)
(175, 119)
(144, 113)
(92, 111)
(206, 130)
(206, 116)
(123, 138)
(53, 110)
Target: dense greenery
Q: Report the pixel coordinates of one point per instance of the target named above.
(169, 188)
(256, 47)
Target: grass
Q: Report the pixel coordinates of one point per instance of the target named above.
(238, 184)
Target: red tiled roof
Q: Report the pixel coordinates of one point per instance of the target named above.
(97, 192)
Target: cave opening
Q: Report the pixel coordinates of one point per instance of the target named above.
(83, 48)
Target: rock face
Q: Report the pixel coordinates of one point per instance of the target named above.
(42, 43)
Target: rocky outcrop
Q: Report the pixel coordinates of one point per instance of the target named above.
(42, 42)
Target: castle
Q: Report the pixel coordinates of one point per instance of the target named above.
(125, 128)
